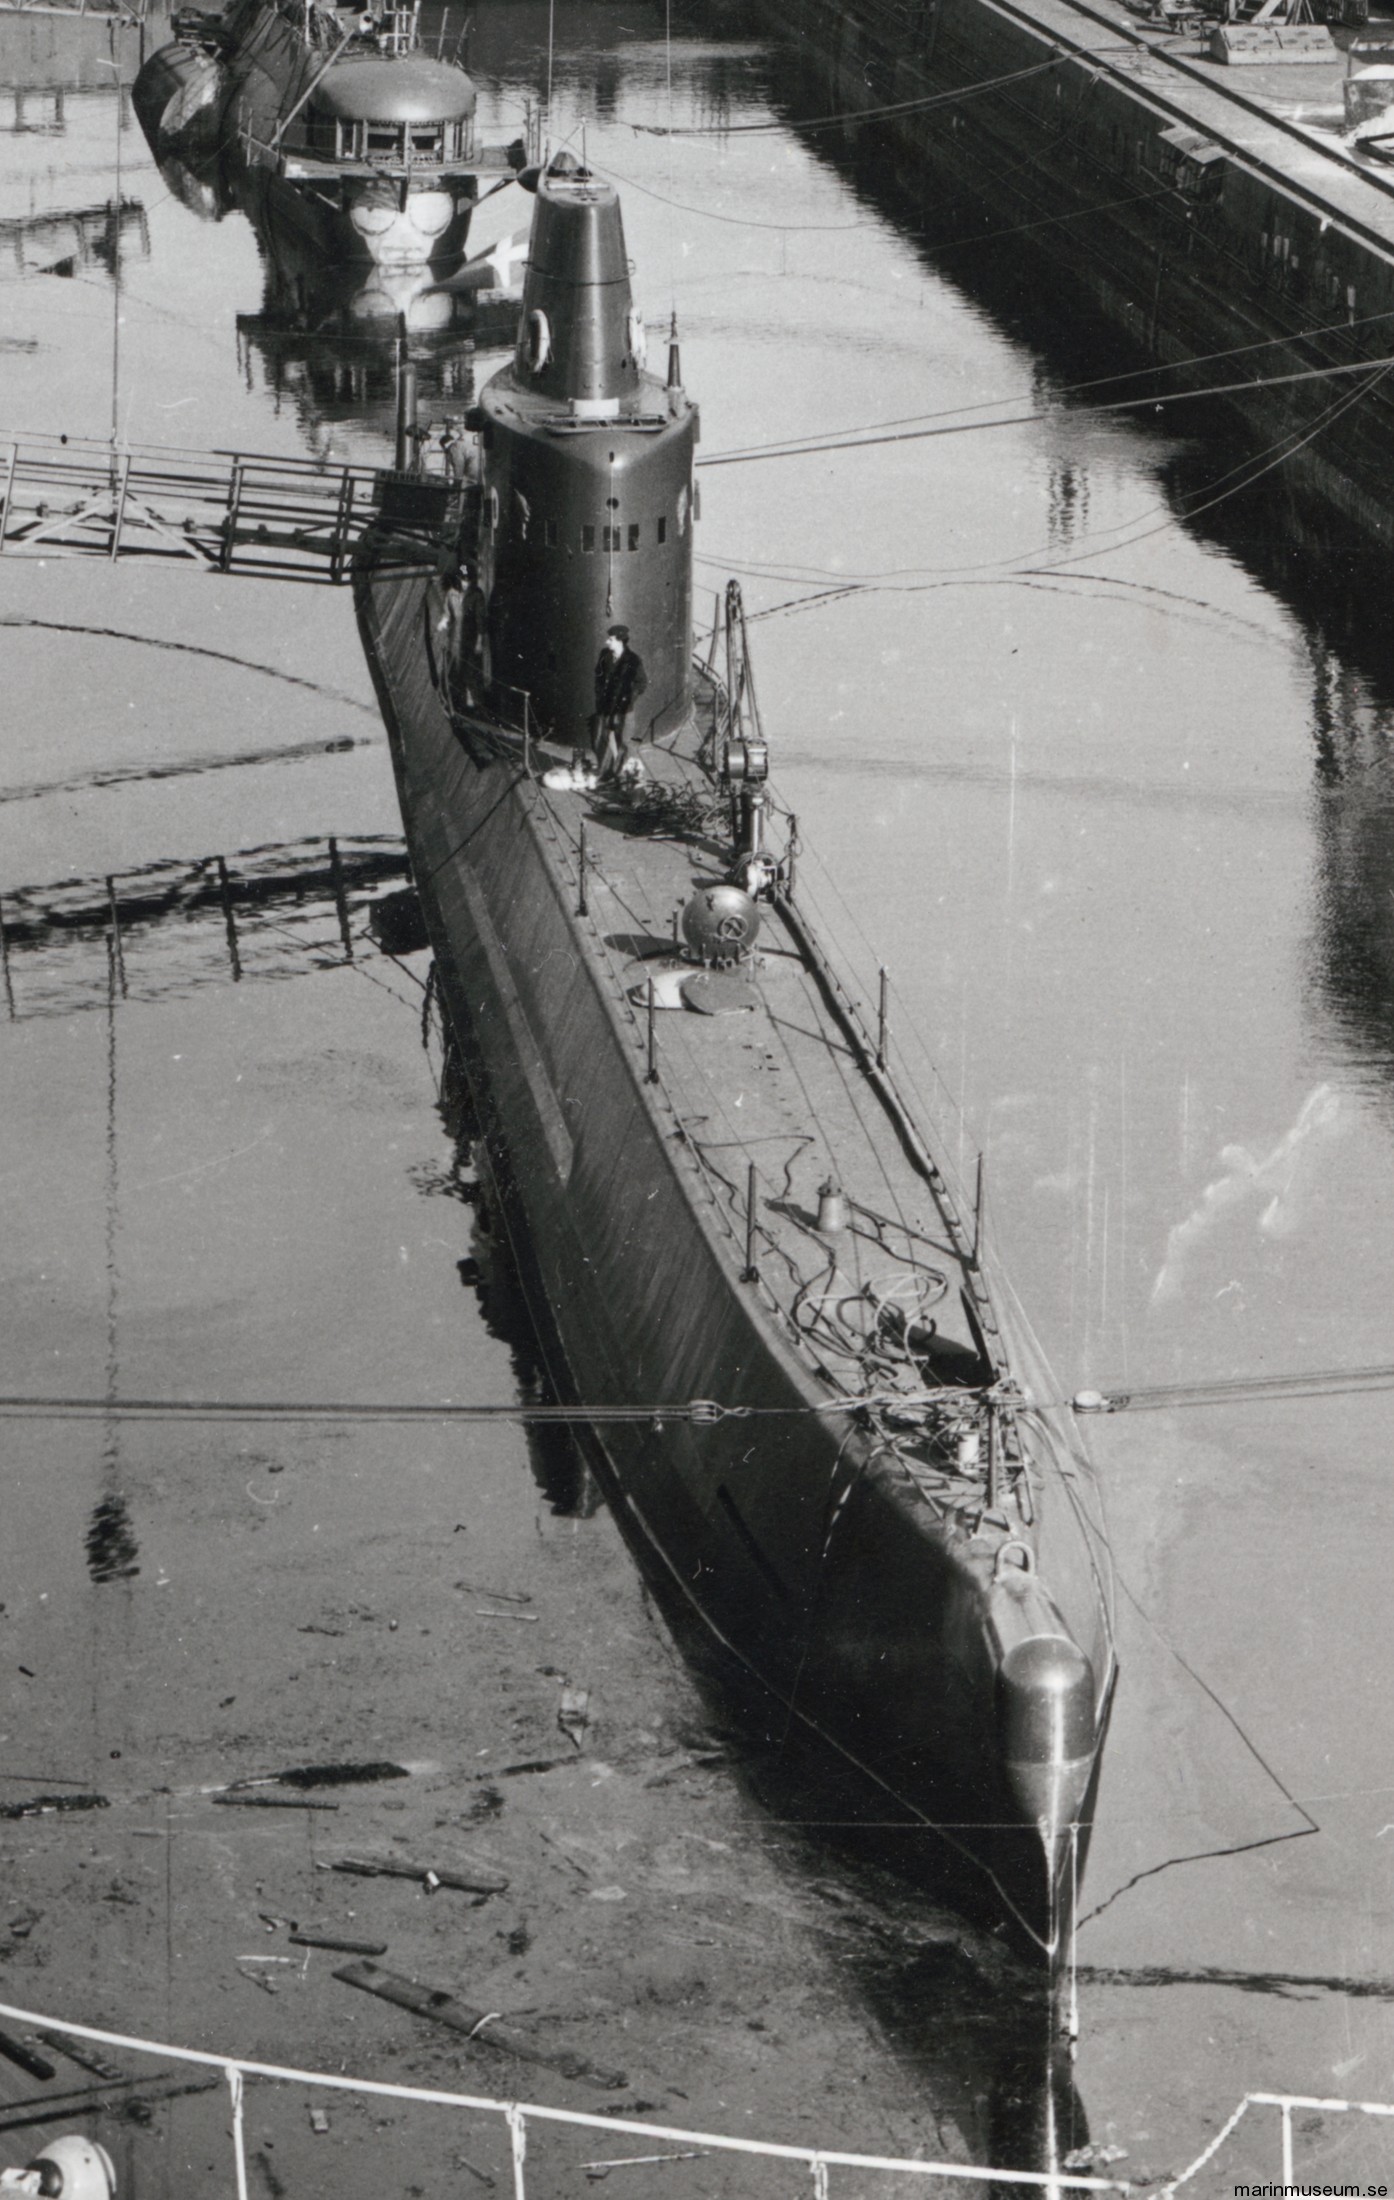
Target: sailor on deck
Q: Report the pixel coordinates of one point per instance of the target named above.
(620, 679)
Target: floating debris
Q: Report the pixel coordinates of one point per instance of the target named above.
(340, 1946)
(596, 2170)
(258, 1799)
(484, 2025)
(82, 2056)
(319, 2120)
(323, 1776)
(28, 2058)
(574, 1715)
(39, 1806)
(130, 2097)
(478, 1879)
(112, 1550)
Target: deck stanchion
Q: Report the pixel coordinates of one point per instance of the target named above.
(518, 2133)
(118, 954)
(750, 1273)
(9, 491)
(122, 487)
(527, 737)
(234, 502)
(791, 857)
(882, 1020)
(230, 920)
(336, 873)
(5, 966)
(978, 1214)
(342, 520)
(582, 909)
(653, 1044)
(239, 2143)
(992, 1458)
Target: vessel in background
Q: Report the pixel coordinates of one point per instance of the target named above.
(355, 136)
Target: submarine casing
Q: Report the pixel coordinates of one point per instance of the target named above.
(801, 1545)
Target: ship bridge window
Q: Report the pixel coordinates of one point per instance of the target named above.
(613, 539)
(634, 535)
(663, 529)
(386, 140)
(426, 144)
(588, 538)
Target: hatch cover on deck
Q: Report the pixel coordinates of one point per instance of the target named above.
(719, 993)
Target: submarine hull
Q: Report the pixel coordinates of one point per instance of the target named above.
(876, 1625)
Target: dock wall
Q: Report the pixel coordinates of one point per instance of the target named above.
(1256, 244)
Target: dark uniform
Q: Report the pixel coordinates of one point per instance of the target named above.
(620, 679)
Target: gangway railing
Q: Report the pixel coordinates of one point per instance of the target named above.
(520, 2117)
(285, 518)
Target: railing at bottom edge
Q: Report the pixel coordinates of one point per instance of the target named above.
(518, 2115)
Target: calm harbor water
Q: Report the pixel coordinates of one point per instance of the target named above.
(1112, 797)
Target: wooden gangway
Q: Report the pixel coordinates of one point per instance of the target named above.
(282, 518)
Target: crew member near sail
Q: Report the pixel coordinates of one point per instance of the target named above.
(620, 679)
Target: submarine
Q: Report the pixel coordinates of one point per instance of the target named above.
(356, 137)
(821, 1420)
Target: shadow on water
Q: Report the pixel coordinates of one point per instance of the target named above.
(558, 1463)
(1287, 1985)
(907, 1924)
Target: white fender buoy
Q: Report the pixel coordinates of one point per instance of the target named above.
(68, 2169)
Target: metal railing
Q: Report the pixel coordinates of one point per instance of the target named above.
(818, 2163)
(228, 511)
(519, 2117)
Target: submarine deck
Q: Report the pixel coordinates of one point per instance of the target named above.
(770, 1067)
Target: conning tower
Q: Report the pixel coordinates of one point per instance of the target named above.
(586, 477)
